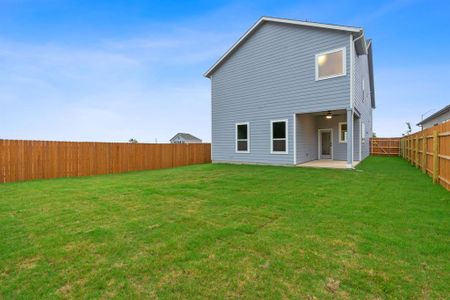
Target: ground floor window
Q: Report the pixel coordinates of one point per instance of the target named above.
(279, 136)
(342, 132)
(242, 137)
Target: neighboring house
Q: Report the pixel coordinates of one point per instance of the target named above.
(185, 138)
(289, 92)
(436, 118)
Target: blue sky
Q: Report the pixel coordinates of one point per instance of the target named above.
(112, 70)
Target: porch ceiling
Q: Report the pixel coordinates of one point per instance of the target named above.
(323, 113)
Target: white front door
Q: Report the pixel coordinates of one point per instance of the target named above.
(325, 144)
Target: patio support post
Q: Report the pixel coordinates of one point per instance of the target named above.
(349, 138)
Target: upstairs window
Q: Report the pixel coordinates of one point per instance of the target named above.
(279, 137)
(363, 133)
(363, 90)
(330, 64)
(242, 137)
(342, 132)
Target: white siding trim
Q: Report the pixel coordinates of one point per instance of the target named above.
(271, 136)
(248, 137)
(344, 63)
(294, 137)
(351, 70)
(360, 138)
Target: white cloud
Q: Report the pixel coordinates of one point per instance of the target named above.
(113, 90)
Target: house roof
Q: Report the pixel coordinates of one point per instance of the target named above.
(186, 137)
(358, 32)
(436, 114)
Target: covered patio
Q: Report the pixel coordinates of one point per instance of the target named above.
(328, 139)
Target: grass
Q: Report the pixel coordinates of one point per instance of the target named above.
(228, 231)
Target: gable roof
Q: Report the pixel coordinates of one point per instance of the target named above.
(186, 137)
(436, 114)
(358, 32)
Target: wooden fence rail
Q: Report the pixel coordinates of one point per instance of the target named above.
(385, 146)
(25, 160)
(429, 150)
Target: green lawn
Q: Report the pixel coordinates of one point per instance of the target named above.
(228, 231)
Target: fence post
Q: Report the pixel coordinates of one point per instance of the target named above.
(404, 147)
(435, 157)
(405, 151)
(424, 153)
(371, 145)
(410, 149)
(417, 152)
(407, 148)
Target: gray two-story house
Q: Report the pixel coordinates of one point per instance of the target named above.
(288, 92)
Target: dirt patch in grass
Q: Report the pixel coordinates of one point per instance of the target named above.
(29, 263)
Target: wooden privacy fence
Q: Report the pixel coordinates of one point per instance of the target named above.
(25, 160)
(429, 150)
(385, 146)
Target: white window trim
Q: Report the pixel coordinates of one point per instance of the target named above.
(248, 137)
(363, 90)
(344, 63)
(340, 131)
(272, 139)
(363, 133)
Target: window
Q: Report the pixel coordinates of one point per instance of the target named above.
(363, 91)
(342, 132)
(363, 133)
(330, 64)
(279, 137)
(242, 137)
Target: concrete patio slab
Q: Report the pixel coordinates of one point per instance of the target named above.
(327, 163)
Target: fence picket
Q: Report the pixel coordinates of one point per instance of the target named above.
(26, 160)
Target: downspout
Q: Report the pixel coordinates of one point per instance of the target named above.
(350, 111)
(359, 123)
(352, 47)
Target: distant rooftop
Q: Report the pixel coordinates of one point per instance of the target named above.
(436, 114)
(186, 137)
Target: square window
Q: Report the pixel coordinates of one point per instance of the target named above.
(330, 64)
(242, 146)
(279, 145)
(279, 130)
(242, 131)
(363, 133)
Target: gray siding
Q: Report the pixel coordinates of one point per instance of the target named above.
(437, 120)
(306, 138)
(362, 102)
(272, 76)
